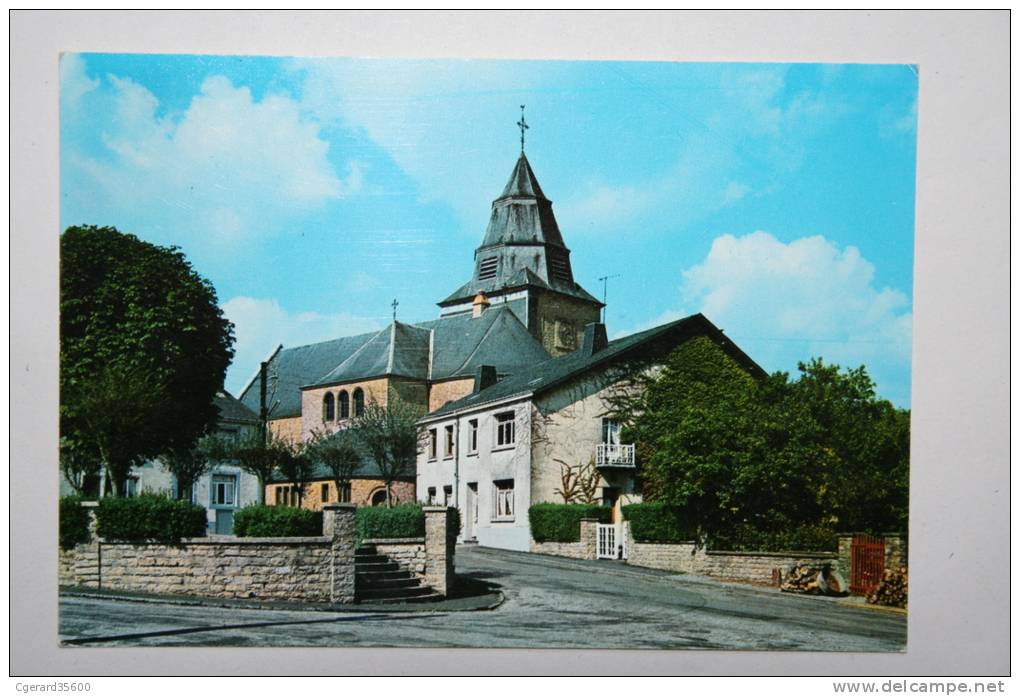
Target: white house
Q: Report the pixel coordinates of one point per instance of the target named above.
(504, 447)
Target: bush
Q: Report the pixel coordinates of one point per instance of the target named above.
(149, 517)
(656, 523)
(559, 522)
(397, 522)
(748, 538)
(74, 522)
(277, 521)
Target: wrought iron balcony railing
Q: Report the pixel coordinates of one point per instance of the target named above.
(614, 455)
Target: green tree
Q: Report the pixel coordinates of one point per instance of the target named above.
(143, 349)
(189, 464)
(390, 435)
(336, 453)
(767, 454)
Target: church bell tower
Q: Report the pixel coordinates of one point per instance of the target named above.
(523, 263)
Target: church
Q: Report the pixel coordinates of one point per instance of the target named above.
(513, 375)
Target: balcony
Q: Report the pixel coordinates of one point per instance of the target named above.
(607, 455)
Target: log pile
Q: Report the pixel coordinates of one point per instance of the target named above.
(892, 591)
(817, 580)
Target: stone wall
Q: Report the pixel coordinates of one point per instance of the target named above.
(443, 392)
(409, 553)
(308, 569)
(288, 429)
(311, 569)
(65, 567)
(754, 567)
(584, 549)
(726, 565)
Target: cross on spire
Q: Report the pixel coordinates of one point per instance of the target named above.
(394, 305)
(523, 125)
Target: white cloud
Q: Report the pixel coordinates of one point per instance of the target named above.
(74, 82)
(784, 302)
(228, 167)
(261, 324)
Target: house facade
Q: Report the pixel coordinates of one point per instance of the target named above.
(507, 445)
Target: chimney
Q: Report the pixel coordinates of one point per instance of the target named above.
(485, 376)
(479, 305)
(594, 339)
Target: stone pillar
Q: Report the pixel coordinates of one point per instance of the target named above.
(590, 537)
(440, 540)
(87, 557)
(338, 525)
(843, 557)
(895, 551)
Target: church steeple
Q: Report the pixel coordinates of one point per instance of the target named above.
(524, 262)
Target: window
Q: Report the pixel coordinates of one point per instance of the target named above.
(345, 493)
(487, 268)
(359, 402)
(432, 443)
(343, 400)
(505, 429)
(610, 432)
(503, 500)
(447, 496)
(278, 495)
(379, 497)
(432, 495)
(325, 493)
(472, 435)
(223, 488)
(448, 442)
(328, 410)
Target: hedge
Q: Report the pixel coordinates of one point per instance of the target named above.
(277, 521)
(74, 522)
(748, 538)
(559, 522)
(397, 522)
(149, 517)
(657, 523)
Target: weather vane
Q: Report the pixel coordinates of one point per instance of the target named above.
(523, 125)
(394, 305)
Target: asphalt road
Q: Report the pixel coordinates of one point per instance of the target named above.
(550, 602)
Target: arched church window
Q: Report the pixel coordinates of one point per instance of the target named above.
(327, 407)
(359, 402)
(343, 400)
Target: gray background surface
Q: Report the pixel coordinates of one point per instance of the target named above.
(960, 457)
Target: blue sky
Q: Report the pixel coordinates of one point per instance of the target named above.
(777, 199)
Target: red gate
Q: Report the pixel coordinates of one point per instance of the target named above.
(867, 563)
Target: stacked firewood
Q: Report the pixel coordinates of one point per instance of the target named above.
(808, 579)
(892, 591)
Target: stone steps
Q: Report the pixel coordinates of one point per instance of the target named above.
(379, 580)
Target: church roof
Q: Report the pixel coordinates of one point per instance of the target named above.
(554, 372)
(522, 214)
(497, 337)
(292, 368)
(522, 246)
(457, 346)
(523, 182)
(399, 350)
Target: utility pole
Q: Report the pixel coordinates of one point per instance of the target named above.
(605, 292)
